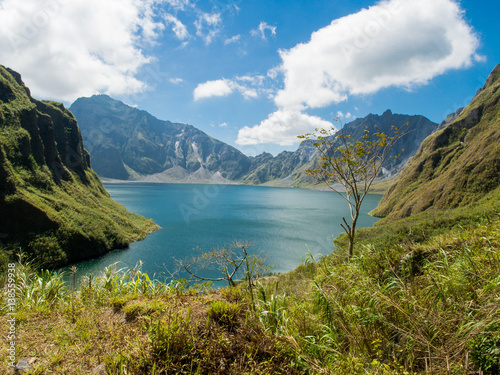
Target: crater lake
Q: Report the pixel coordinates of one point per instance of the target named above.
(284, 225)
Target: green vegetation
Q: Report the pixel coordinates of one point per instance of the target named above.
(53, 205)
(122, 322)
(455, 166)
(418, 296)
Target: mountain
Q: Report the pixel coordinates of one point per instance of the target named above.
(285, 169)
(289, 168)
(417, 129)
(455, 166)
(126, 143)
(52, 204)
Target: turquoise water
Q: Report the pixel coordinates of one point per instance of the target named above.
(283, 224)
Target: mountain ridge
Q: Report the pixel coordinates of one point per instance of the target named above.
(130, 144)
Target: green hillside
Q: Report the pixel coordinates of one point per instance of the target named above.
(53, 206)
(455, 166)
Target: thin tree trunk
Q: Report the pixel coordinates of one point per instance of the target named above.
(352, 235)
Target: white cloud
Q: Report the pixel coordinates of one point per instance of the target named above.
(178, 27)
(248, 86)
(257, 80)
(223, 125)
(234, 39)
(399, 43)
(342, 115)
(281, 127)
(261, 30)
(208, 26)
(66, 49)
(179, 4)
(220, 87)
(396, 43)
(175, 81)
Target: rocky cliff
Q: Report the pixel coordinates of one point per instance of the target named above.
(52, 204)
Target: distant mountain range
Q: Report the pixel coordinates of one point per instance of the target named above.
(126, 143)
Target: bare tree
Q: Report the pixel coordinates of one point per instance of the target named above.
(349, 167)
(231, 261)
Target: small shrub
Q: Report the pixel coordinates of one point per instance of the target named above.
(143, 308)
(224, 313)
(232, 294)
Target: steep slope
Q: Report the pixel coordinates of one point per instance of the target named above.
(126, 143)
(289, 168)
(52, 205)
(457, 165)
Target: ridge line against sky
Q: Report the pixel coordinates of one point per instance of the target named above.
(255, 74)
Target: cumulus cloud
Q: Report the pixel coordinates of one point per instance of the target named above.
(66, 49)
(209, 89)
(396, 43)
(248, 86)
(281, 127)
(399, 43)
(261, 30)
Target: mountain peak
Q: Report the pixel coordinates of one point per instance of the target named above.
(128, 143)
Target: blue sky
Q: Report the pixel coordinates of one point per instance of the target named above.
(255, 73)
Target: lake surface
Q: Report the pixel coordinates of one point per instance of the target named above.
(283, 224)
